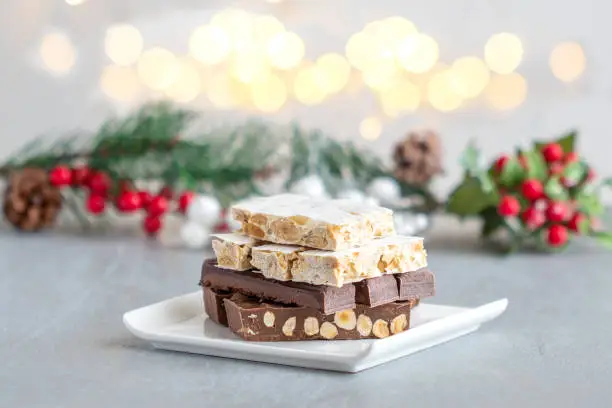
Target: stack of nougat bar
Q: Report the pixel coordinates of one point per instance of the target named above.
(305, 269)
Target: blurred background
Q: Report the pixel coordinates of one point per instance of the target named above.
(502, 73)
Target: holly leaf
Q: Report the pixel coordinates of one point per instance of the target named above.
(470, 158)
(512, 173)
(590, 204)
(566, 142)
(486, 182)
(575, 172)
(491, 222)
(469, 198)
(536, 165)
(584, 226)
(555, 190)
(604, 238)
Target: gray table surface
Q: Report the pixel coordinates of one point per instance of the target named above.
(63, 344)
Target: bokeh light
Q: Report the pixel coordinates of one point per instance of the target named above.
(403, 96)
(418, 53)
(248, 67)
(57, 53)
(503, 53)
(75, 2)
(381, 76)
(506, 92)
(306, 87)
(158, 68)
(120, 83)
(567, 61)
(370, 128)
(469, 76)
(187, 84)
(269, 95)
(440, 92)
(333, 72)
(209, 45)
(226, 93)
(123, 44)
(265, 28)
(237, 24)
(360, 50)
(285, 50)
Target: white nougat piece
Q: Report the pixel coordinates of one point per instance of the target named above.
(274, 260)
(396, 254)
(315, 223)
(233, 251)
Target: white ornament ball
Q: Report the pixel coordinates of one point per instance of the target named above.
(385, 189)
(311, 186)
(170, 234)
(351, 194)
(371, 201)
(204, 210)
(194, 235)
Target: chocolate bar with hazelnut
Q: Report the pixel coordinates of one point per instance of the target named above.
(254, 320)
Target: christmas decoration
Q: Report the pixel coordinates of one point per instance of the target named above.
(31, 201)
(385, 189)
(351, 194)
(204, 210)
(540, 197)
(418, 158)
(194, 235)
(311, 186)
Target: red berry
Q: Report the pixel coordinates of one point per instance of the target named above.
(79, 175)
(533, 218)
(575, 221)
(532, 189)
(571, 157)
(158, 205)
(556, 235)
(99, 183)
(60, 176)
(145, 198)
(166, 192)
(222, 227)
(556, 211)
(508, 206)
(591, 175)
(152, 225)
(500, 163)
(555, 169)
(95, 204)
(128, 201)
(552, 152)
(184, 200)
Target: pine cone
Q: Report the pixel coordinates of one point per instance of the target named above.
(418, 158)
(30, 201)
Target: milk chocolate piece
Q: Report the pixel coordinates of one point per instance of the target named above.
(327, 299)
(213, 305)
(416, 285)
(256, 321)
(377, 291)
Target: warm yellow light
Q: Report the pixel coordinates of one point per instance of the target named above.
(285, 50)
(403, 96)
(469, 76)
(225, 93)
(57, 53)
(75, 2)
(355, 83)
(370, 128)
(120, 83)
(237, 24)
(399, 27)
(250, 67)
(503, 53)
(123, 44)
(333, 72)
(418, 53)
(360, 50)
(440, 92)
(157, 68)
(269, 95)
(567, 61)
(380, 76)
(506, 92)
(265, 28)
(187, 84)
(306, 87)
(209, 44)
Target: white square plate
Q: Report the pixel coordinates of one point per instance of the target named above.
(179, 324)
